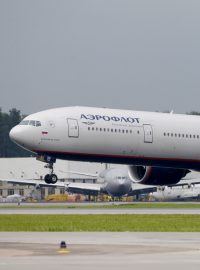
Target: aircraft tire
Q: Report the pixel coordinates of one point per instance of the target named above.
(47, 179)
(53, 178)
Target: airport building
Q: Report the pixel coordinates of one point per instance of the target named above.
(30, 168)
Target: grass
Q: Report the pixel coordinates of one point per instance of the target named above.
(100, 223)
(109, 206)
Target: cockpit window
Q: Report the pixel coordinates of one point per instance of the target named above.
(24, 122)
(121, 177)
(38, 123)
(30, 123)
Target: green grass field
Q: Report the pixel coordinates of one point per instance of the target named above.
(99, 223)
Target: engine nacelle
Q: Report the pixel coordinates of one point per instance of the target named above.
(156, 175)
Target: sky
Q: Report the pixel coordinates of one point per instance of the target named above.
(127, 54)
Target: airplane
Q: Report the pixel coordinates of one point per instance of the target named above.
(178, 192)
(159, 148)
(188, 189)
(114, 182)
(15, 198)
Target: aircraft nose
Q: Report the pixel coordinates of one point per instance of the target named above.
(12, 134)
(15, 135)
(122, 182)
(24, 136)
(119, 187)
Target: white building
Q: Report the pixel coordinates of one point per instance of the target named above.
(30, 168)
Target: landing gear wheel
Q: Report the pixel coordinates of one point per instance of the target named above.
(50, 178)
(47, 179)
(53, 178)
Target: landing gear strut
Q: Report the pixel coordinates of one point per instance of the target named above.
(50, 178)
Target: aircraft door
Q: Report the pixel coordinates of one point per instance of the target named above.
(73, 129)
(148, 133)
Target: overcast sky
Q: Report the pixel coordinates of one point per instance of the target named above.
(140, 55)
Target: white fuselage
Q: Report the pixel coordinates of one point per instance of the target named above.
(115, 182)
(115, 136)
(176, 193)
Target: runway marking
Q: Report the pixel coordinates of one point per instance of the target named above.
(64, 251)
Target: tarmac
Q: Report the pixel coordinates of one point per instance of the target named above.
(99, 250)
(98, 211)
(87, 251)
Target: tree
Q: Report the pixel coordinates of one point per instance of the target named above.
(194, 113)
(7, 122)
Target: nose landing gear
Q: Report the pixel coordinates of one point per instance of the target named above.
(50, 178)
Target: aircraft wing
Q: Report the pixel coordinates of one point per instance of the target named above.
(80, 173)
(191, 179)
(189, 183)
(141, 189)
(84, 188)
(29, 182)
(80, 188)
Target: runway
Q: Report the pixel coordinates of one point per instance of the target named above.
(98, 211)
(97, 251)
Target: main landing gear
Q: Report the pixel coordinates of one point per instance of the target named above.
(50, 178)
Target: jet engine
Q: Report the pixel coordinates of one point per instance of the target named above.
(156, 175)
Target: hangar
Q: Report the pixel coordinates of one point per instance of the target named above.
(30, 168)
